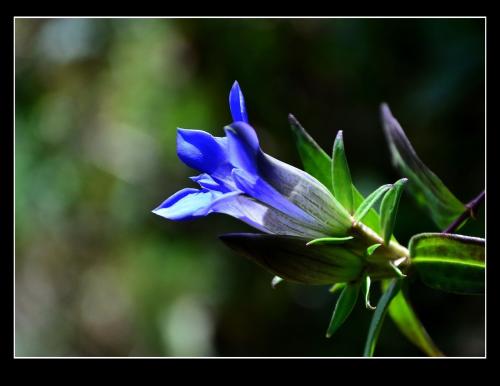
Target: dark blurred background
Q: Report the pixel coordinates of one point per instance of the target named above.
(98, 102)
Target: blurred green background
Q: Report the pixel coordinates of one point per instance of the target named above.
(98, 102)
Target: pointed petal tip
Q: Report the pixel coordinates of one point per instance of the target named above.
(385, 111)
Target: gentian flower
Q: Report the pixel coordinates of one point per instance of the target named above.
(238, 179)
(309, 236)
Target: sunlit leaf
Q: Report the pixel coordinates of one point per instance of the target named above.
(289, 258)
(404, 316)
(450, 262)
(319, 164)
(345, 304)
(379, 316)
(314, 159)
(341, 176)
(428, 190)
(389, 209)
(371, 219)
(368, 203)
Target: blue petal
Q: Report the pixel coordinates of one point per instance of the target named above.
(259, 189)
(237, 104)
(208, 182)
(263, 217)
(200, 150)
(242, 146)
(188, 203)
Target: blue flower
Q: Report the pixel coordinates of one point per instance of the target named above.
(238, 179)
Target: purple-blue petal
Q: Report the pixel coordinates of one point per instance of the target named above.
(259, 189)
(242, 146)
(187, 203)
(200, 150)
(237, 104)
(208, 182)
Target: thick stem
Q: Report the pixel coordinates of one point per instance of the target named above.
(401, 254)
(471, 210)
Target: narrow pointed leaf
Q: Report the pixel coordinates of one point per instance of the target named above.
(276, 280)
(337, 287)
(341, 176)
(425, 187)
(402, 313)
(319, 164)
(330, 240)
(289, 258)
(450, 262)
(314, 159)
(368, 203)
(372, 218)
(372, 248)
(343, 308)
(389, 209)
(366, 292)
(379, 316)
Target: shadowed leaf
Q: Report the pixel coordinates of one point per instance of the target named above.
(289, 258)
(404, 316)
(427, 189)
(379, 316)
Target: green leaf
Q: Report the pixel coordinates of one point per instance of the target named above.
(330, 240)
(337, 287)
(372, 248)
(404, 316)
(344, 306)
(319, 164)
(368, 203)
(379, 316)
(341, 176)
(314, 159)
(366, 292)
(449, 262)
(426, 188)
(389, 209)
(289, 258)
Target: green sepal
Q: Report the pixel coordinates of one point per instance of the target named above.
(341, 176)
(366, 292)
(368, 203)
(330, 240)
(425, 186)
(372, 248)
(397, 270)
(449, 262)
(389, 209)
(343, 307)
(337, 287)
(314, 159)
(379, 316)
